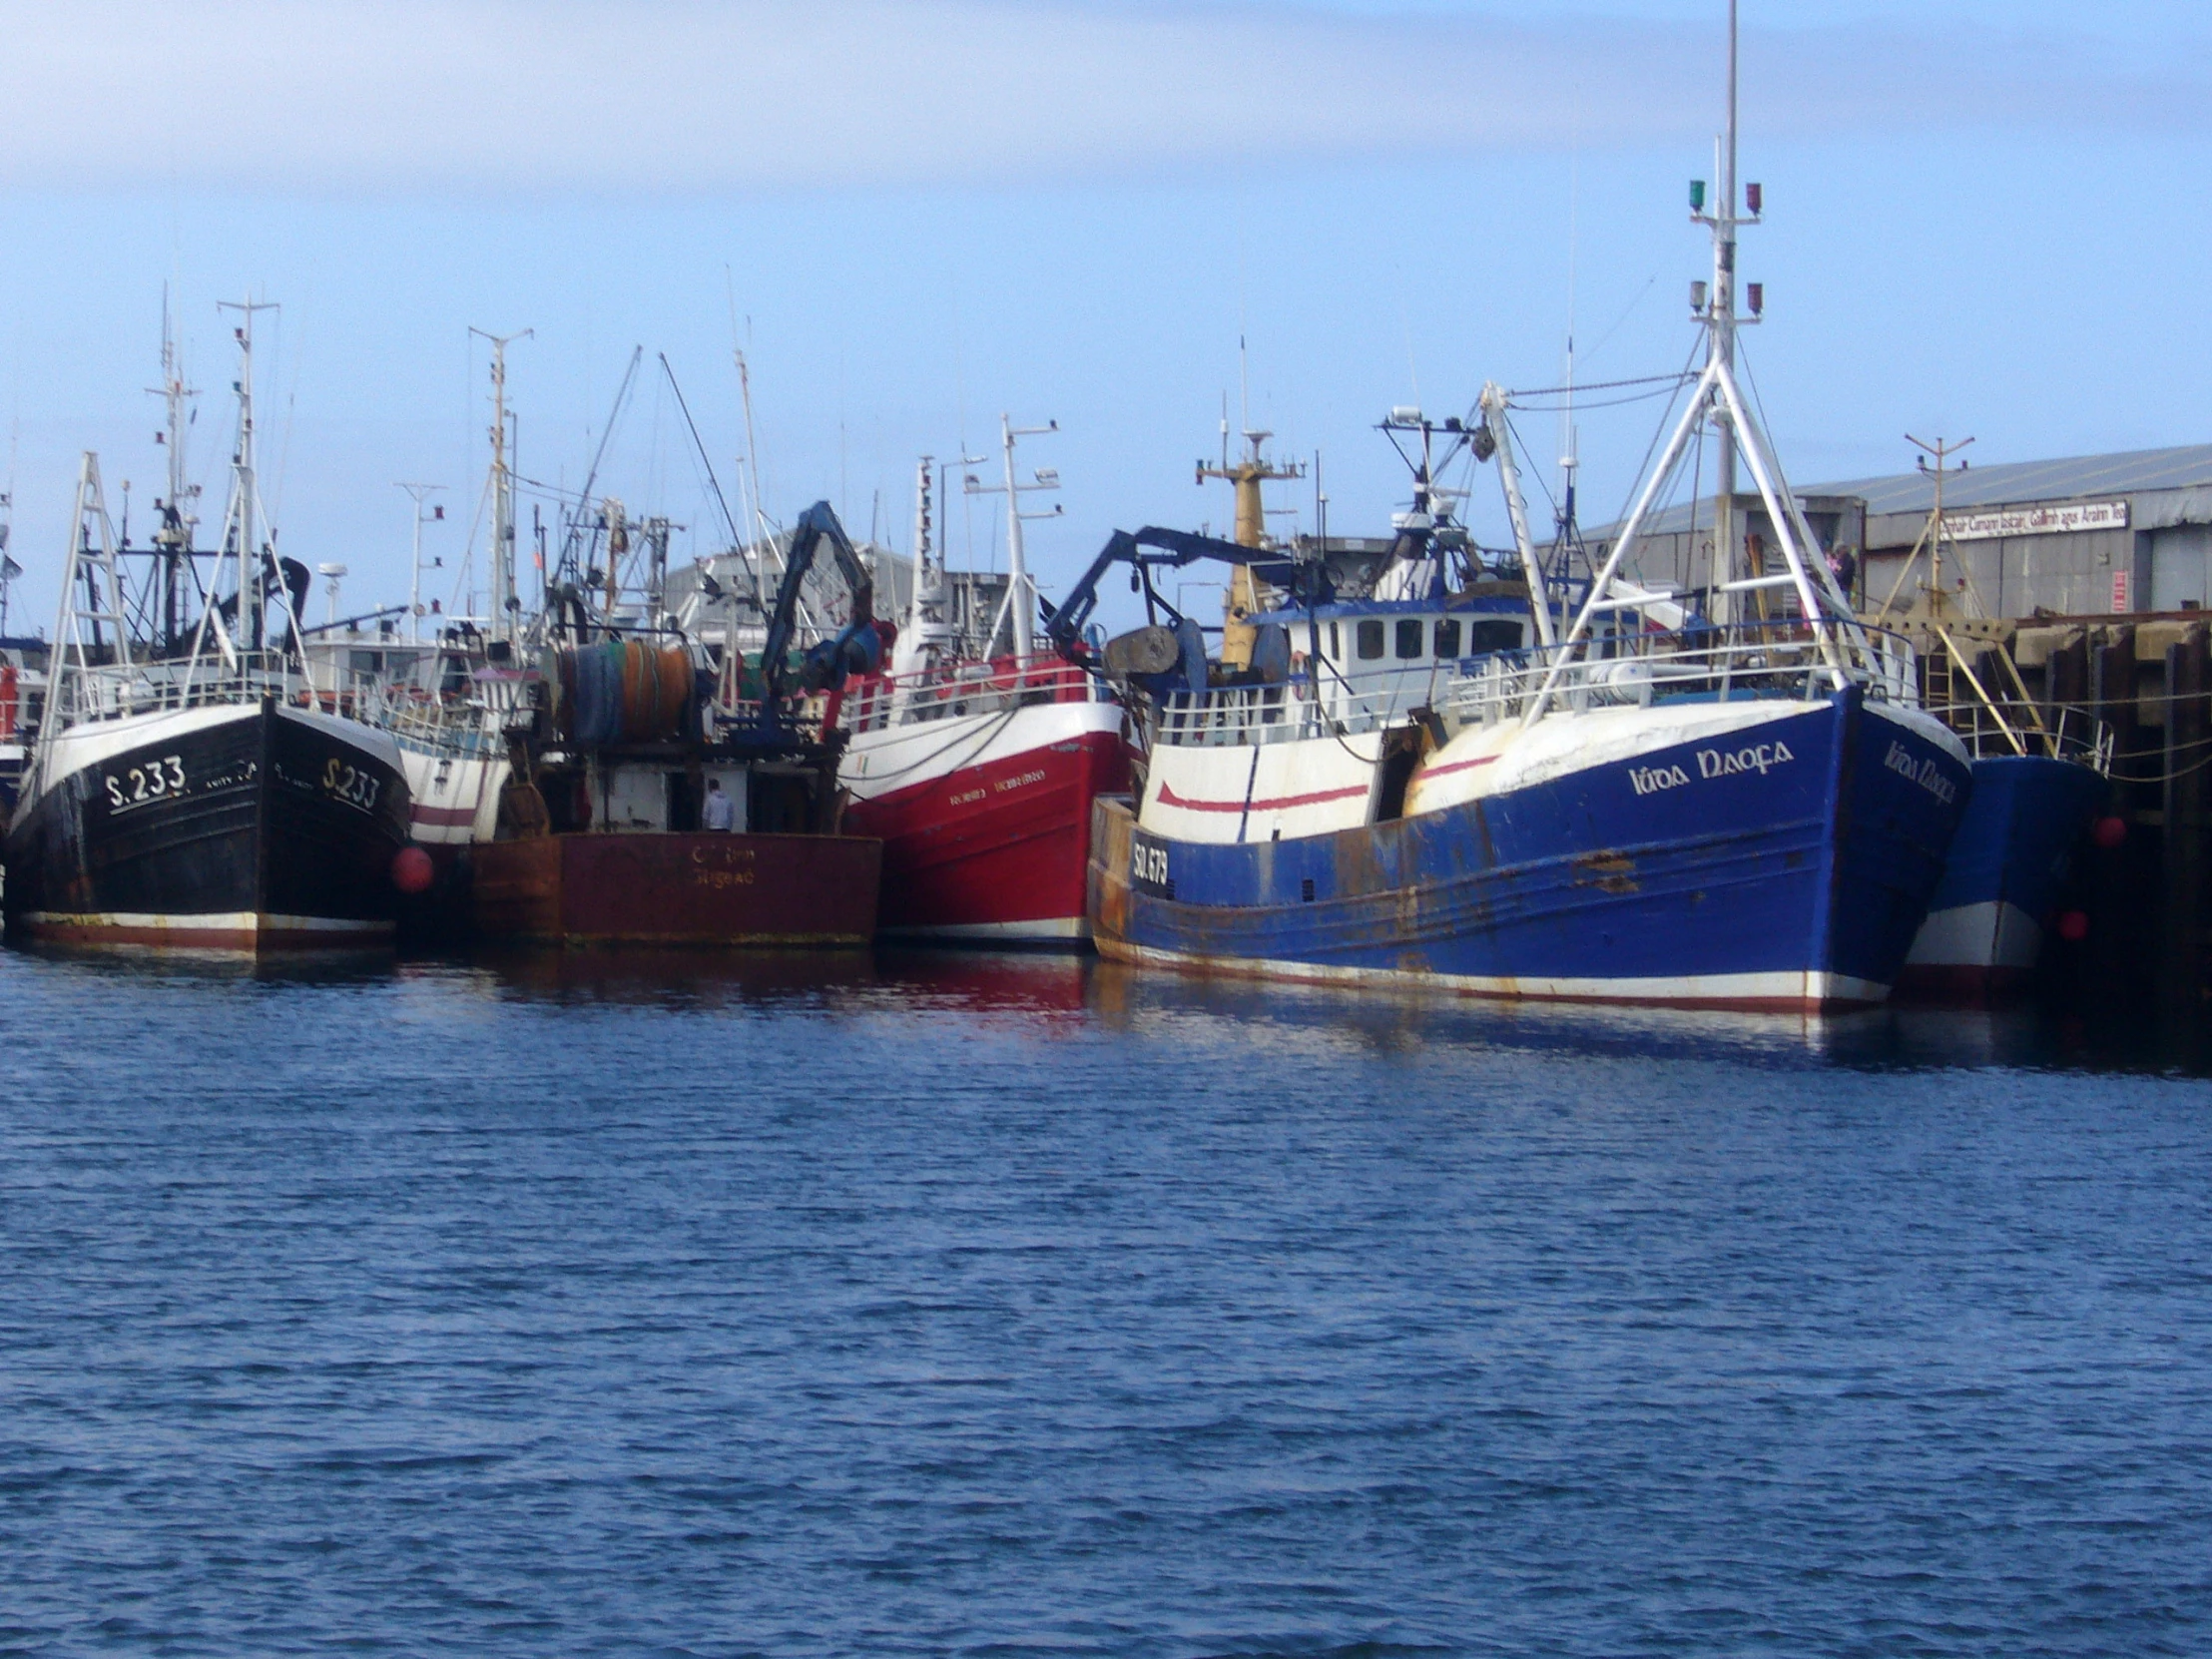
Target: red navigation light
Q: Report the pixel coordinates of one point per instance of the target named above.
(1758, 294)
(1752, 198)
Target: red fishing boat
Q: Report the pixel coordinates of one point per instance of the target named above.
(977, 771)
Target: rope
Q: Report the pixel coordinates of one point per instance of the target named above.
(981, 738)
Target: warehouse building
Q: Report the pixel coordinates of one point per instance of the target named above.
(2118, 535)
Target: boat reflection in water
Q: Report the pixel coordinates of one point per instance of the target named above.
(1060, 996)
(907, 982)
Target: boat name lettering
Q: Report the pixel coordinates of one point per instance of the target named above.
(1651, 780)
(712, 853)
(1758, 758)
(1017, 782)
(155, 781)
(1149, 865)
(350, 784)
(1927, 774)
(721, 877)
(967, 796)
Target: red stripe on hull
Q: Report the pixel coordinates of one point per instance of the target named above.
(443, 818)
(995, 844)
(1275, 804)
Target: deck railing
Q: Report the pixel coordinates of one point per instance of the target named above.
(112, 690)
(1751, 660)
(880, 700)
(1707, 664)
(2005, 726)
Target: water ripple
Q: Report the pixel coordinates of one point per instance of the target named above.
(1006, 1306)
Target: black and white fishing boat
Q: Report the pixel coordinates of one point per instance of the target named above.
(194, 782)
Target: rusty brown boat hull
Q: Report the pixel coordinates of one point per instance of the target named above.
(678, 888)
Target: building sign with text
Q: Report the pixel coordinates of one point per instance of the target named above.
(2057, 520)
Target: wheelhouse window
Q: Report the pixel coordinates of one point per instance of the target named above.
(1447, 636)
(1368, 638)
(1493, 636)
(1335, 650)
(1409, 637)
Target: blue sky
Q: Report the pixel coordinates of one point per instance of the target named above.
(1982, 218)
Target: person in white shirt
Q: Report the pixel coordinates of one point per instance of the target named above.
(718, 811)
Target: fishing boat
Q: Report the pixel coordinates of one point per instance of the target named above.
(22, 698)
(2039, 775)
(975, 759)
(209, 792)
(654, 800)
(1674, 800)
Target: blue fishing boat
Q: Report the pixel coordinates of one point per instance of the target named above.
(1721, 819)
(2039, 775)
(2001, 881)
(1728, 799)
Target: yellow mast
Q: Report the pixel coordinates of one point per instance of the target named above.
(1244, 599)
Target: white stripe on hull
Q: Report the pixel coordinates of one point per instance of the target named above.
(1799, 991)
(1050, 931)
(248, 924)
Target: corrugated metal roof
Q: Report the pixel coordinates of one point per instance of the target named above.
(2017, 482)
(2011, 483)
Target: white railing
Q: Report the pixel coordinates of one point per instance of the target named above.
(1744, 661)
(1751, 660)
(113, 691)
(1229, 716)
(2006, 725)
(960, 688)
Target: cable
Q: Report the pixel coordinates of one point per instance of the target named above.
(1598, 385)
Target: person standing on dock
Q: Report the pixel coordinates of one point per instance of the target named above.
(718, 811)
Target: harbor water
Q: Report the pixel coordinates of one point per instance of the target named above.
(942, 1305)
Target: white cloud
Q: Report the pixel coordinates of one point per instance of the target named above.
(694, 96)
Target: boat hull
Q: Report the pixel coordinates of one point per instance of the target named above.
(1792, 884)
(993, 851)
(2001, 877)
(678, 888)
(249, 828)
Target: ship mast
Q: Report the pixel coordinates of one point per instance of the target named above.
(242, 529)
(1717, 398)
(1720, 332)
(173, 539)
(1246, 474)
(1020, 606)
(501, 484)
(1250, 471)
(927, 633)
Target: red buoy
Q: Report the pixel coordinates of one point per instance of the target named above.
(2073, 926)
(2108, 831)
(412, 870)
